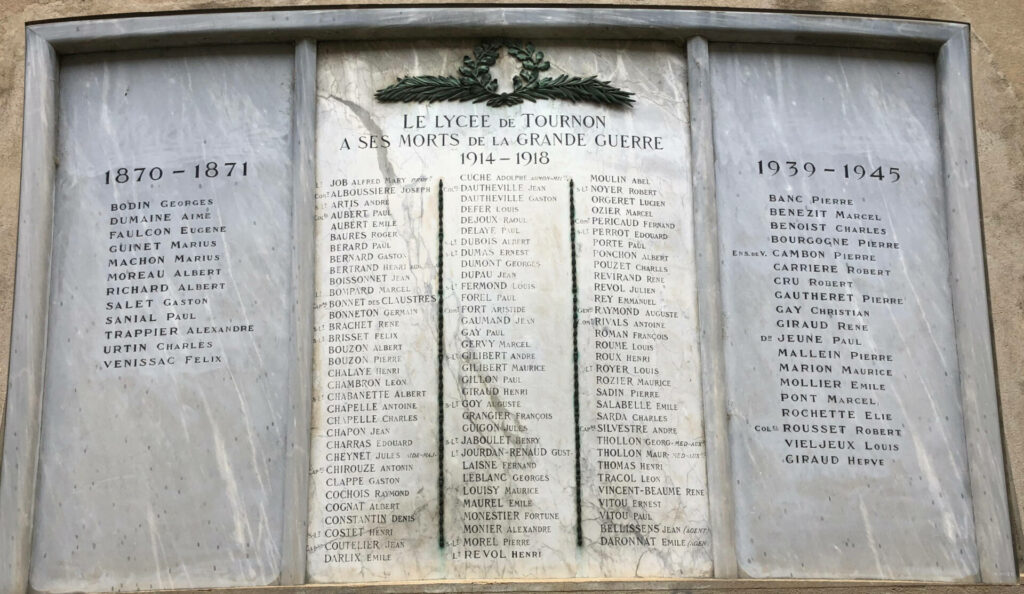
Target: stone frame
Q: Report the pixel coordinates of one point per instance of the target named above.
(948, 43)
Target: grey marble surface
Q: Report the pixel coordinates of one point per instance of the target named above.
(996, 555)
(847, 433)
(296, 495)
(161, 462)
(709, 306)
(28, 326)
(451, 22)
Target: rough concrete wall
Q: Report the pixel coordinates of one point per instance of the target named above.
(998, 59)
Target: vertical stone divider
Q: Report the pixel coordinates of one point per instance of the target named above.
(709, 305)
(970, 318)
(28, 332)
(296, 492)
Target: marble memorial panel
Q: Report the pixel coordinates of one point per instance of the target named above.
(499, 265)
(166, 396)
(848, 447)
(505, 323)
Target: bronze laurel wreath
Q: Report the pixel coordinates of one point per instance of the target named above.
(476, 84)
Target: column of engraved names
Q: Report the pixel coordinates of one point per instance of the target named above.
(508, 387)
(832, 258)
(165, 262)
(642, 446)
(375, 334)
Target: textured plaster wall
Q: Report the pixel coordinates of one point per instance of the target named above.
(998, 60)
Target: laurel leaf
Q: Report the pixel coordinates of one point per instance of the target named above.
(476, 83)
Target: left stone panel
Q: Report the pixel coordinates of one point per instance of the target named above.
(166, 386)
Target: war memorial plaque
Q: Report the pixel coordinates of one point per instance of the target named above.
(831, 222)
(510, 294)
(167, 231)
(545, 208)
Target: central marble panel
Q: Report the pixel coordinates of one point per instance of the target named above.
(506, 372)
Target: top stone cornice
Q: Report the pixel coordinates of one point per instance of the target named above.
(102, 34)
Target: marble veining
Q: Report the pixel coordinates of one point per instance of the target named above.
(544, 252)
(161, 462)
(507, 379)
(847, 433)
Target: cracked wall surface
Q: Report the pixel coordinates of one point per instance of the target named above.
(998, 67)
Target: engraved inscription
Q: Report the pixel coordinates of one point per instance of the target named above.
(557, 427)
(839, 346)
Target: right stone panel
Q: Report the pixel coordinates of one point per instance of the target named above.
(846, 430)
